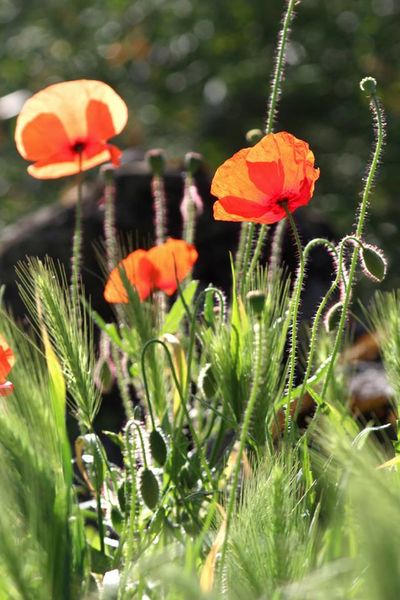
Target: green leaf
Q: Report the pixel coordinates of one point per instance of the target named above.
(177, 312)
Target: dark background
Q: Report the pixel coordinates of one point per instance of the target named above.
(195, 76)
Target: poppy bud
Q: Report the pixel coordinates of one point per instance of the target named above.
(256, 299)
(108, 171)
(373, 263)
(193, 161)
(368, 86)
(332, 317)
(149, 488)
(253, 136)
(158, 447)
(156, 160)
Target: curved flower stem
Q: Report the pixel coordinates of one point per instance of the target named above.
(294, 311)
(380, 134)
(258, 346)
(77, 240)
(275, 92)
(320, 310)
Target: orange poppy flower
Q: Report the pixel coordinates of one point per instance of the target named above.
(6, 363)
(160, 268)
(64, 128)
(254, 182)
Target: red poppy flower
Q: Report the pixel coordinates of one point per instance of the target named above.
(64, 128)
(253, 184)
(6, 363)
(161, 268)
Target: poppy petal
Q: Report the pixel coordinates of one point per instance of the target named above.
(7, 359)
(33, 145)
(173, 261)
(232, 179)
(57, 167)
(139, 271)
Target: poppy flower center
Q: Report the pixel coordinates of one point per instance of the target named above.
(79, 147)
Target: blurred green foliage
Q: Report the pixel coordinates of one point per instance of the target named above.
(195, 76)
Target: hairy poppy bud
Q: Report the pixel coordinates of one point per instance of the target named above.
(256, 299)
(149, 488)
(373, 263)
(253, 136)
(193, 161)
(158, 447)
(156, 160)
(368, 85)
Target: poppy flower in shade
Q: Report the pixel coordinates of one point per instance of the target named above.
(160, 268)
(65, 128)
(6, 363)
(253, 184)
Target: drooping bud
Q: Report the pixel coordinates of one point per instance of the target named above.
(158, 447)
(256, 300)
(149, 488)
(253, 136)
(368, 85)
(207, 382)
(332, 317)
(156, 160)
(193, 161)
(373, 263)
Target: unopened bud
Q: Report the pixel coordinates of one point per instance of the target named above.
(156, 160)
(368, 86)
(373, 263)
(193, 161)
(253, 136)
(256, 299)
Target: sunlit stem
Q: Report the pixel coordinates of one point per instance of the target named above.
(77, 240)
(190, 220)
(258, 353)
(157, 187)
(294, 311)
(380, 134)
(320, 311)
(272, 107)
(110, 232)
(276, 249)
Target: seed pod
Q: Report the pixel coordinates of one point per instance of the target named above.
(158, 447)
(373, 263)
(149, 488)
(253, 136)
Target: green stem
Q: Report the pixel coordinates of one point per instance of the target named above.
(378, 113)
(319, 312)
(123, 384)
(294, 311)
(77, 240)
(272, 104)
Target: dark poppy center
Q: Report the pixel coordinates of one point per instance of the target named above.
(79, 147)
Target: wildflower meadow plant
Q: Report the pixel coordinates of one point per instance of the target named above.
(217, 489)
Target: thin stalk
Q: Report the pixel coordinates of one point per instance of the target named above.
(77, 240)
(276, 249)
(294, 311)
(380, 134)
(244, 432)
(123, 384)
(190, 218)
(274, 95)
(110, 233)
(157, 187)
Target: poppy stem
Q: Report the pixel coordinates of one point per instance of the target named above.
(378, 115)
(77, 240)
(294, 311)
(275, 93)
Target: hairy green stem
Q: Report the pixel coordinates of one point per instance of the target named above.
(380, 133)
(77, 240)
(294, 311)
(248, 228)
